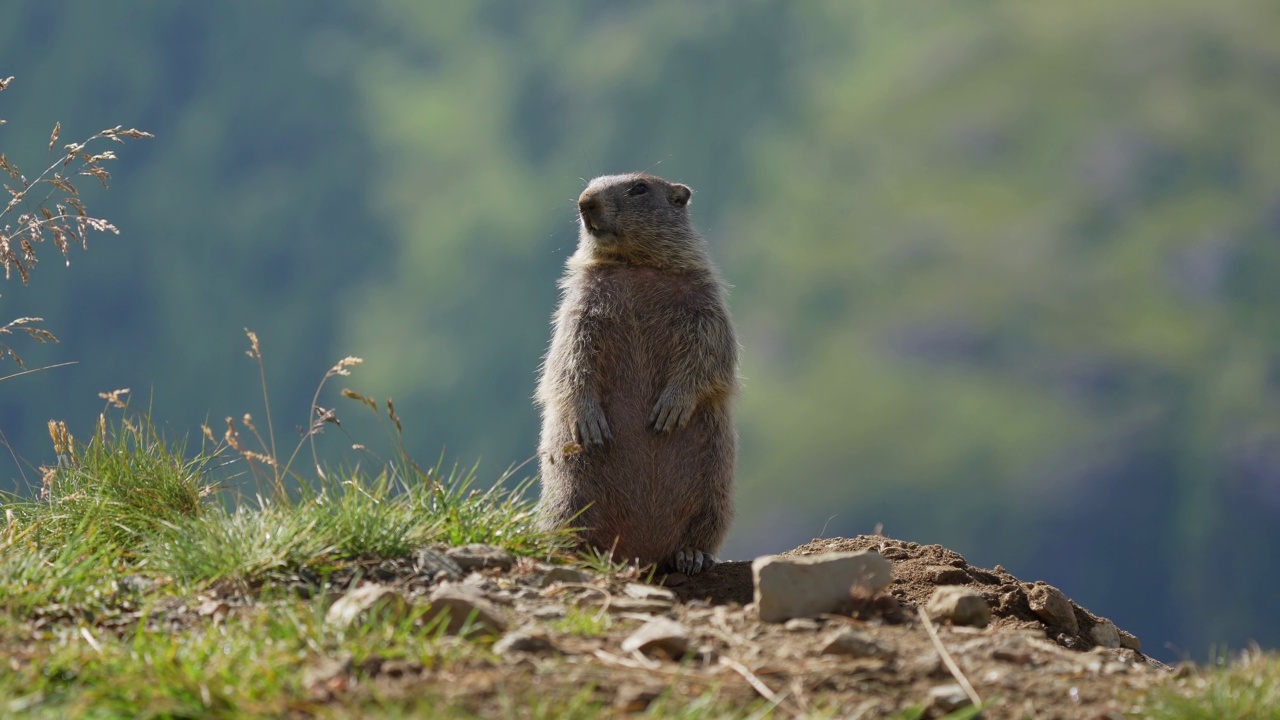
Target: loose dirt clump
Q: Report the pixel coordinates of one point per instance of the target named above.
(918, 570)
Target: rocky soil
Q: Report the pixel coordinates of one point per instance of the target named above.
(1023, 651)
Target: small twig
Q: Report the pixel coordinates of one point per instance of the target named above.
(797, 692)
(612, 659)
(604, 608)
(775, 699)
(660, 669)
(644, 661)
(946, 660)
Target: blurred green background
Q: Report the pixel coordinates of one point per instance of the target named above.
(1005, 273)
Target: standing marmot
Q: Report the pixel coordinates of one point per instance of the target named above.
(638, 445)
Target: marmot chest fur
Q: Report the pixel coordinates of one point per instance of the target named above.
(638, 445)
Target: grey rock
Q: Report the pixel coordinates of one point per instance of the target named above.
(525, 593)
(659, 636)
(802, 625)
(1129, 640)
(525, 641)
(547, 612)
(632, 605)
(563, 574)
(1052, 607)
(213, 608)
(366, 603)
(478, 556)
(480, 583)
(435, 565)
(1105, 634)
(855, 644)
(791, 587)
(640, 591)
(462, 609)
(959, 605)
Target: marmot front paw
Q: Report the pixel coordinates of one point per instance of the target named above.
(672, 411)
(591, 428)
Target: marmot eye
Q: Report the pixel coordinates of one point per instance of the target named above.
(638, 189)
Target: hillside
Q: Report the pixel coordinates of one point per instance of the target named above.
(555, 640)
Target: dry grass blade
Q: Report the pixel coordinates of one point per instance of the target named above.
(89, 638)
(391, 412)
(39, 369)
(23, 324)
(37, 223)
(952, 667)
(609, 658)
(775, 699)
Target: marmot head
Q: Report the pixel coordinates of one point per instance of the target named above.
(638, 218)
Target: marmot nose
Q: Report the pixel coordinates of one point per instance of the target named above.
(588, 205)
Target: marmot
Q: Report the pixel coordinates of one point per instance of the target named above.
(638, 446)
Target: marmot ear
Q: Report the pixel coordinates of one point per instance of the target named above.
(680, 194)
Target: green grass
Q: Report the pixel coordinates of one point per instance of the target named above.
(123, 483)
(129, 520)
(1243, 687)
(257, 663)
(131, 501)
(78, 572)
(253, 664)
(584, 622)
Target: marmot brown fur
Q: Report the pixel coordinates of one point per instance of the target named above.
(638, 446)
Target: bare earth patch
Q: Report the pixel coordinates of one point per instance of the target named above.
(872, 663)
(555, 641)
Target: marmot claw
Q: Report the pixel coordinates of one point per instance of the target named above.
(591, 429)
(672, 411)
(691, 561)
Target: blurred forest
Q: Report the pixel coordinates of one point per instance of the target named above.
(1005, 274)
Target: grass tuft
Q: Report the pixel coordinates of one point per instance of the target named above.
(242, 545)
(73, 575)
(1243, 687)
(127, 482)
(584, 622)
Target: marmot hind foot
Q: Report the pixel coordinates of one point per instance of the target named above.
(692, 561)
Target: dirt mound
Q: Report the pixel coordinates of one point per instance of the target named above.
(563, 630)
(918, 570)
